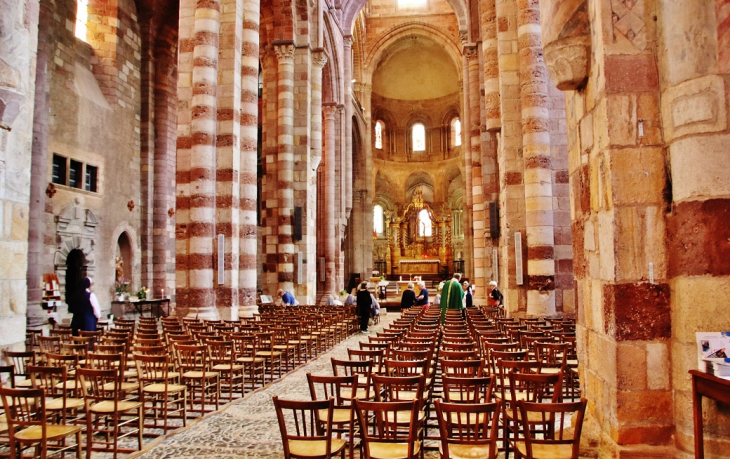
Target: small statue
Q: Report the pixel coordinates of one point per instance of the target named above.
(119, 269)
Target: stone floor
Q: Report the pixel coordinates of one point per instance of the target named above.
(247, 428)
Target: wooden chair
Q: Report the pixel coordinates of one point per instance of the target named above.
(266, 351)
(159, 394)
(223, 360)
(245, 347)
(343, 390)
(25, 416)
(550, 429)
(107, 413)
(20, 362)
(310, 437)
(362, 369)
(459, 389)
(389, 429)
(52, 380)
(468, 430)
(196, 373)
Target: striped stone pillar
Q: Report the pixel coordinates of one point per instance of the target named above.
(491, 65)
(329, 112)
(476, 194)
(347, 71)
(196, 159)
(471, 93)
(228, 162)
(248, 177)
(285, 164)
(537, 158)
(319, 60)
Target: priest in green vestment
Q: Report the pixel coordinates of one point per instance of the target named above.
(452, 296)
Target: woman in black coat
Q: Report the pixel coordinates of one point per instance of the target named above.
(364, 303)
(409, 297)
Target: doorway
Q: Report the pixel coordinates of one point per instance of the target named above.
(75, 272)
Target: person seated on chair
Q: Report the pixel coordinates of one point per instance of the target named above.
(287, 299)
(409, 297)
(422, 298)
(495, 298)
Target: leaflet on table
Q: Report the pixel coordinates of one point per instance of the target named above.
(713, 347)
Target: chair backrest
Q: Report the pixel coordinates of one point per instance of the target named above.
(462, 368)
(99, 385)
(536, 388)
(391, 422)
(554, 428)
(342, 389)
(152, 368)
(470, 430)
(20, 361)
(399, 388)
(24, 408)
(406, 367)
(150, 350)
(459, 389)
(376, 355)
(10, 371)
(191, 357)
(300, 423)
(459, 355)
(363, 369)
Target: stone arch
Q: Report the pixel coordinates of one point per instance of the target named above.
(406, 30)
(124, 228)
(420, 179)
(75, 230)
(352, 9)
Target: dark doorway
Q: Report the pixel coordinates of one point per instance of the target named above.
(75, 271)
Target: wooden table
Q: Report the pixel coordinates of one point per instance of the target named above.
(707, 385)
(158, 308)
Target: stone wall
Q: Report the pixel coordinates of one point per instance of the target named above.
(18, 44)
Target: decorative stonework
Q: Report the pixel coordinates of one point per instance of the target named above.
(567, 41)
(75, 230)
(628, 22)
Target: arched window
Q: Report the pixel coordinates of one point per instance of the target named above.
(378, 219)
(419, 137)
(424, 223)
(379, 126)
(455, 132)
(82, 17)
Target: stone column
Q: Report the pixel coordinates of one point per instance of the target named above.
(39, 165)
(197, 164)
(319, 60)
(18, 47)
(469, 55)
(249, 173)
(316, 129)
(478, 217)
(537, 157)
(347, 76)
(491, 64)
(228, 161)
(285, 164)
(330, 243)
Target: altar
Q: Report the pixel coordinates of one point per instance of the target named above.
(419, 266)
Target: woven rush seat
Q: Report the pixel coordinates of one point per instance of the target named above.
(107, 406)
(71, 403)
(314, 448)
(53, 431)
(227, 366)
(457, 451)
(383, 450)
(160, 388)
(200, 374)
(546, 451)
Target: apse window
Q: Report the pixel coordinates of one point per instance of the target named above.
(82, 18)
(455, 132)
(378, 219)
(379, 135)
(419, 137)
(424, 224)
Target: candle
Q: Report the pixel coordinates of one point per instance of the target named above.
(163, 293)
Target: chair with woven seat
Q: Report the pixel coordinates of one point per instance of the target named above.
(550, 430)
(460, 389)
(362, 369)
(245, 347)
(203, 383)
(343, 390)
(25, 417)
(223, 360)
(20, 360)
(159, 392)
(58, 403)
(389, 429)
(107, 413)
(130, 390)
(310, 437)
(266, 351)
(468, 430)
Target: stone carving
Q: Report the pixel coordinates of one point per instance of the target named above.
(695, 107)
(566, 41)
(628, 21)
(75, 229)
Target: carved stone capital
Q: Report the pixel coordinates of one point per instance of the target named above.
(567, 61)
(319, 59)
(470, 51)
(285, 53)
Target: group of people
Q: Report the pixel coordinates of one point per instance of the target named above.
(454, 295)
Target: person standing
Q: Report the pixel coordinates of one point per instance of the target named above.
(422, 298)
(364, 304)
(409, 297)
(452, 296)
(86, 310)
(468, 294)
